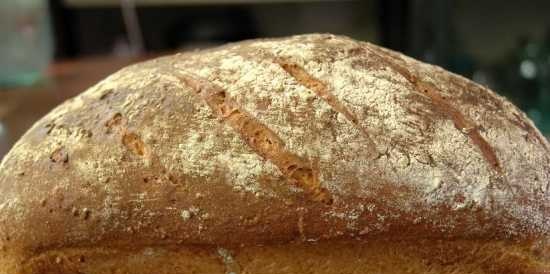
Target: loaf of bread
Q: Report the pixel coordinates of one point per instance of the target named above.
(308, 154)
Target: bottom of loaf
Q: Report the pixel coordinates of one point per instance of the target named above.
(325, 257)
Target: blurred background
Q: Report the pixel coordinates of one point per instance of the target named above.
(52, 50)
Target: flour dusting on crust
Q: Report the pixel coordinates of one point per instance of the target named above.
(130, 157)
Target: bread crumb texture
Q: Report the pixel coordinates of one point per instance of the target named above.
(304, 138)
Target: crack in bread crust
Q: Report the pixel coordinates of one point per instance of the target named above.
(321, 89)
(259, 137)
(201, 176)
(460, 121)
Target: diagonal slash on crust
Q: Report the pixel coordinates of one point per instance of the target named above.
(258, 137)
(460, 121)
(321, 89)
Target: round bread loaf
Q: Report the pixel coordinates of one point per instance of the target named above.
(308, 154)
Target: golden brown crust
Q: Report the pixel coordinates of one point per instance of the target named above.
(439, 102)
(321, 89)
(317, 137)
(330, 257)
(259, 138)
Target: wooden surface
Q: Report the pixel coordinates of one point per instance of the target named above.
(21, 107)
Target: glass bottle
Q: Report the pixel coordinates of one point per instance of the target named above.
(26, 45)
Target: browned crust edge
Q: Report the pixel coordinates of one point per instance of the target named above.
(259, 137)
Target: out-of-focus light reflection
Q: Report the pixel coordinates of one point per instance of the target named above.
(528, 69)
